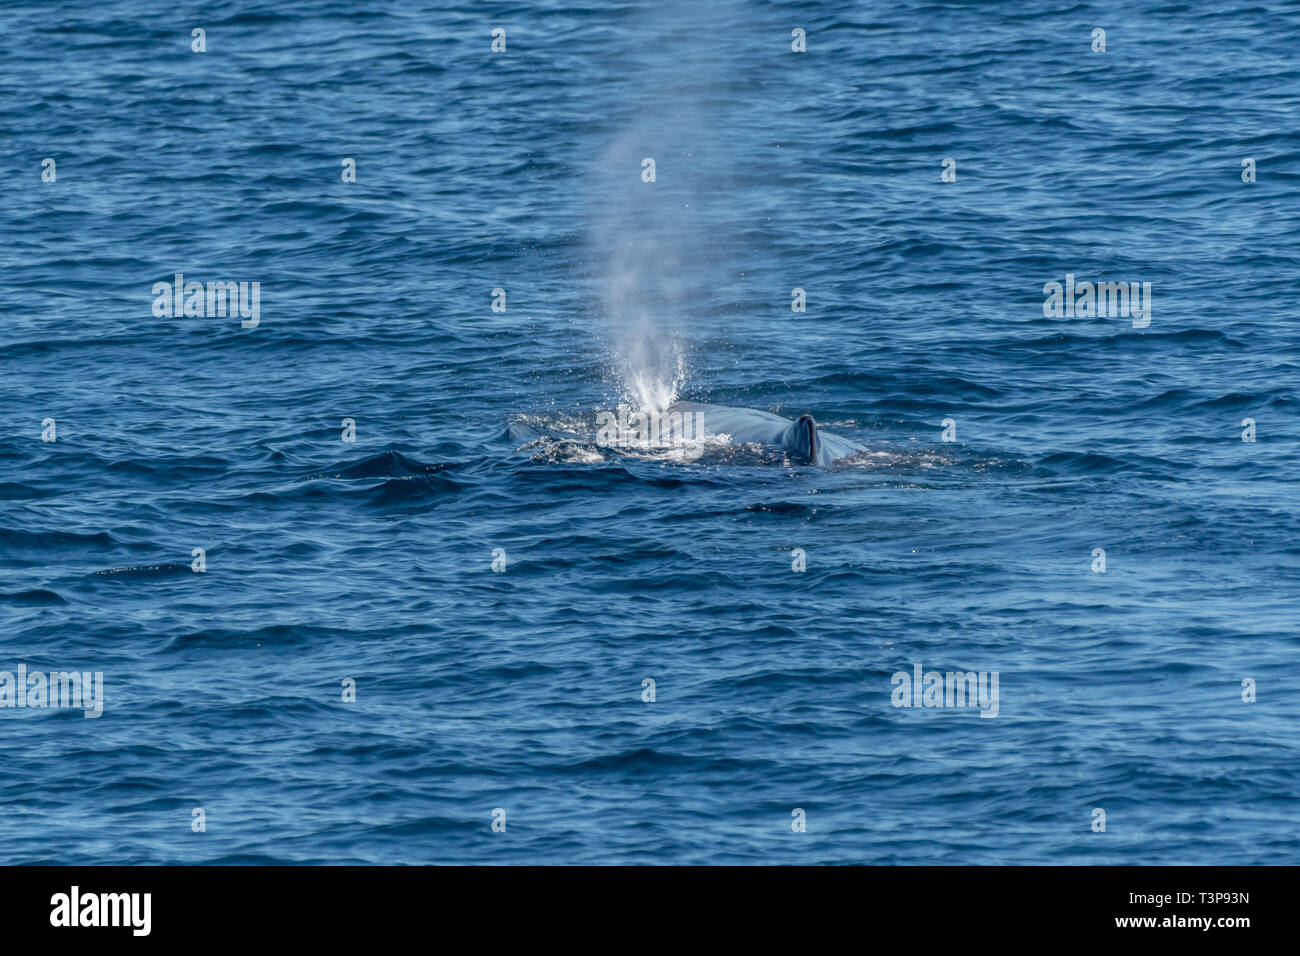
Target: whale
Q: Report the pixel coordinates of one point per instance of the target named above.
(743, 426)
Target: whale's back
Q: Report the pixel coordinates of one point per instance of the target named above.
(753, 426)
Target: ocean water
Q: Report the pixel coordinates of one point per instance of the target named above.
(519, 694)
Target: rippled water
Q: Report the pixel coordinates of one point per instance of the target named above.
(522, 690)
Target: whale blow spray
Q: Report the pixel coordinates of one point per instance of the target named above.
(656, 258)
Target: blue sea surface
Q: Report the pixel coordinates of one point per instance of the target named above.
(505, 268)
